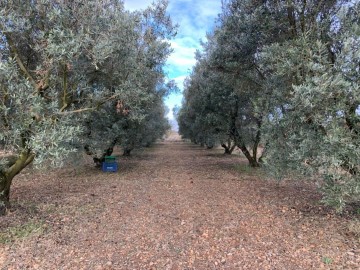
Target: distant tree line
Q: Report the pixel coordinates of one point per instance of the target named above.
(283, 76)
(79, 75)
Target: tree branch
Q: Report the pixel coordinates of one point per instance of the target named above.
(43, 84)
(23, 160)
(15, 55)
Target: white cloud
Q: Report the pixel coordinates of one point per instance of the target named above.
(182, 59)
(137, 4)
(195, 19)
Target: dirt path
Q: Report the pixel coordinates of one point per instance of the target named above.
(175, 206)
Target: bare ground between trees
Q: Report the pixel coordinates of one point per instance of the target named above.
(175, 206)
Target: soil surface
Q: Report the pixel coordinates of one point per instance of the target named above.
(173, 206)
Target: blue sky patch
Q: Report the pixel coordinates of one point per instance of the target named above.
(195, 19)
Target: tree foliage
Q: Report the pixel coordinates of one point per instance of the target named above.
(74, 73)
(289, 73)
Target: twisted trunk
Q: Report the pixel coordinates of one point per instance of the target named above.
(128, 148)
(253, 162)
(8, 173)
(229, 147)
(4, 193)
(99, 160)
(127, 151)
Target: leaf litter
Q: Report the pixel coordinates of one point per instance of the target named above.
(174, 206)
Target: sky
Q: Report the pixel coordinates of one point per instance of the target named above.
(195, 18)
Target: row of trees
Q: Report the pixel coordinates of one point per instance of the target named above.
(283, 75)
(78, 75)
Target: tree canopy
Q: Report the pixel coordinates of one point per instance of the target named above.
(75, 74)
(285, 75)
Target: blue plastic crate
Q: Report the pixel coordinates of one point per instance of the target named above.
(109, 167)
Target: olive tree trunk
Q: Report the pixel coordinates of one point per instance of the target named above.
(228, 146)
(5, 183)
(253, 162)
(99, 160)
(7, 173)
(127, 151)
(252, 158)
(128, 148)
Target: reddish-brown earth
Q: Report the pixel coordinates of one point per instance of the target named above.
(174, 206)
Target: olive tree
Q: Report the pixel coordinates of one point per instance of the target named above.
(125, 121)
(205, 115)
(237, 81)
(61, 60)
(313, 128)
(294, 69)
